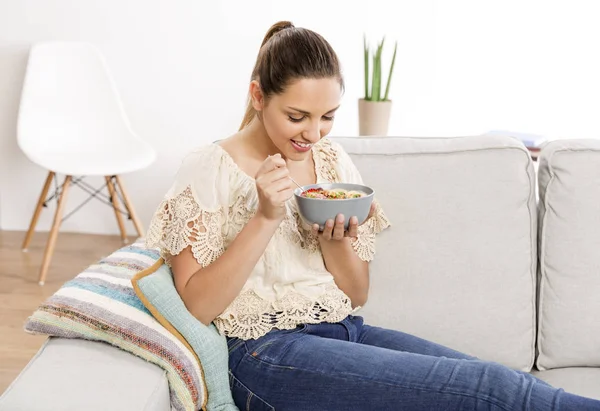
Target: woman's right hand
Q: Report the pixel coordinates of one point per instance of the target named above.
(274, 188)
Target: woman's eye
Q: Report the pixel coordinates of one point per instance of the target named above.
(295, 119)
(328, 118)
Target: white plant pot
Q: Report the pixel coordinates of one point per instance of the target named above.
(373, 117)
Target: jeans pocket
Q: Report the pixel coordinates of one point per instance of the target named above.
(245, 399)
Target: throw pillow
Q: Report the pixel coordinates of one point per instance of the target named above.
(155, 288)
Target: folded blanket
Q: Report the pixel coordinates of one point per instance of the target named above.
(100, 304)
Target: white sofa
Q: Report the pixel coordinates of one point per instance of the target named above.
(459, 266)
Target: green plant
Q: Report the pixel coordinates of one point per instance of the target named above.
(375, 92)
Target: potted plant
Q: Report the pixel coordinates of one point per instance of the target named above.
(374, 108)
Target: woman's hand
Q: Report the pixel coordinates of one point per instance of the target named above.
(334, 230)
(274, 188)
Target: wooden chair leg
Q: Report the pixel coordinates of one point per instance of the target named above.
(54, 231)
(115, 203)
(38, 210)
(136, 222)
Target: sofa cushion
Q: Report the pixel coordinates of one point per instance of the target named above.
(584, 381)
(60, 375)
(569, 307)
(458, 264)
(100, 304)
(155, 288)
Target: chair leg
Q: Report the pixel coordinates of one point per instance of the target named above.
(54, 231)
(115, 203)
(38, 210)
(129, 206)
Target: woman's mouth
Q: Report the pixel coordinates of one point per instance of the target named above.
(300, 146)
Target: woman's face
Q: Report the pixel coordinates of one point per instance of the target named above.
(301, 115)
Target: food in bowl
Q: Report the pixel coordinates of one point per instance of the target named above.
(318, 203)
(332, 194)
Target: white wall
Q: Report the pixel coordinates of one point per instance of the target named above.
(463, 67)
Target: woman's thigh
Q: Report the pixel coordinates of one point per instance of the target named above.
(301, 371)
(399, 341)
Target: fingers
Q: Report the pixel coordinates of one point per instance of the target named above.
(334, 229)
(315, 229)
(353, 227)
(272, 170)
(338, 229)
(274, 189)
(271, 163)
(328, 230)
(284, 195)
(275, 175)
(279, 186)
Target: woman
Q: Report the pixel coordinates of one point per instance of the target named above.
(284, 293)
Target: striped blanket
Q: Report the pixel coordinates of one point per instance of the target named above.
(100, 304)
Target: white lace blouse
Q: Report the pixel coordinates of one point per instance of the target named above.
(208, 205)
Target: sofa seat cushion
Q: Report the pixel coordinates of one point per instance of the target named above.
(77, 374)
(583, 381)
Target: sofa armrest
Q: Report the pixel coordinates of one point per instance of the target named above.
(77, 374)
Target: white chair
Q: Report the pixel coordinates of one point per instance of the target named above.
(72, 122)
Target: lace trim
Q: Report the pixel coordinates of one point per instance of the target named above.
(307, 239)
(328, 159)
(179, 222)
(251, 317)
(364, 244)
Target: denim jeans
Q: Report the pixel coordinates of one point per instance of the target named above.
(352, 366)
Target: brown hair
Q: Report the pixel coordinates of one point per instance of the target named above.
(288, 53)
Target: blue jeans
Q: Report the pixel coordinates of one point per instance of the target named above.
(351, 366)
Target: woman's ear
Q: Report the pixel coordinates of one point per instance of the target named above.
(258, 98)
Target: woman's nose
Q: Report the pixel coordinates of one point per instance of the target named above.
(313, 133)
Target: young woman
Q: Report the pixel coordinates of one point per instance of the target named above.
(284, 293)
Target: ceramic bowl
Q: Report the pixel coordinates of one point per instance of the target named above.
(317, 210)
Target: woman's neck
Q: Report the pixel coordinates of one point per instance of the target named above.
(257, 140)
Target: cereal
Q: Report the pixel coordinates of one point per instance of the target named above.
(333, 194)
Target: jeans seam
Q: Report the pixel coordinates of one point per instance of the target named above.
(250, 394)
(360, 377)
(235, 345)
(234, 380)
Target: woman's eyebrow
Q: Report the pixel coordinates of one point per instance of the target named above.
(307, 113)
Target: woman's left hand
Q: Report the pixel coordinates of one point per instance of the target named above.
(334, 230)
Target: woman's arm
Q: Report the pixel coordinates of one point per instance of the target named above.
(208, 291)
(351, 274)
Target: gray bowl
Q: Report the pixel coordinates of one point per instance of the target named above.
(317, 210)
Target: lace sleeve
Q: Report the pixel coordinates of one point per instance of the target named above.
(191, 213)
(180, 222)
(364, 244)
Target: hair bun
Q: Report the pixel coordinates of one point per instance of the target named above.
(276, 28)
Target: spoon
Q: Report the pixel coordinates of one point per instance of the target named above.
(294, 181)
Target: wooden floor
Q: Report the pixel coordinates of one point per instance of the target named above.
(20, 293)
